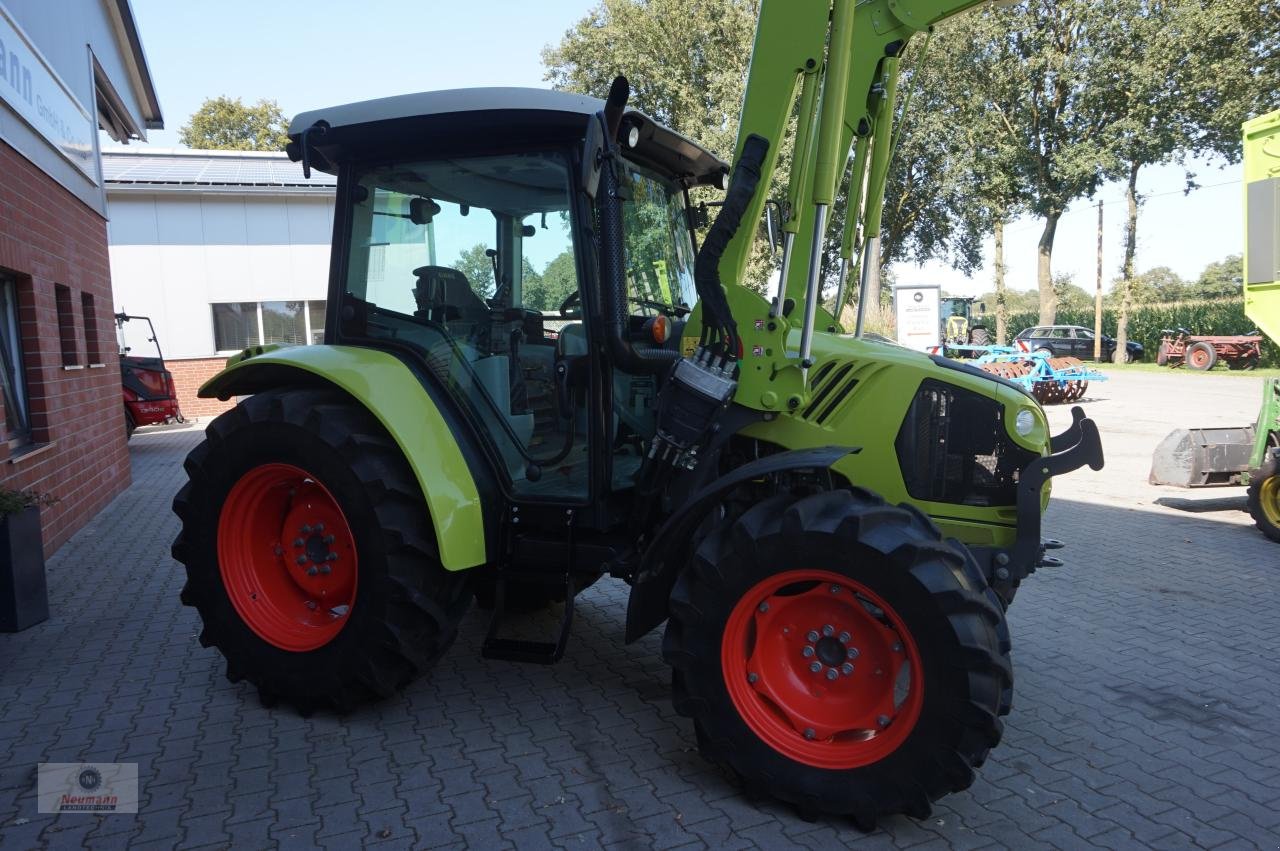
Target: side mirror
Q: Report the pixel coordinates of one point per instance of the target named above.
(423, 210)
(982, 307)
(592, 151)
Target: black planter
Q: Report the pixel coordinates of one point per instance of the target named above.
(24, 599)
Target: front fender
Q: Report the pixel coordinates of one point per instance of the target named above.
(393, 394)
(663, 560)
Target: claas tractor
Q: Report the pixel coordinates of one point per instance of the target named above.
(829, 527)
(961, 326)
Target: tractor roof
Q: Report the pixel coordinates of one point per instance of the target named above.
(372, 129)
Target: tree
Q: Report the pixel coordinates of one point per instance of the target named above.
(478, 268)
(554, 285)
(226, 124)
(1221, 279)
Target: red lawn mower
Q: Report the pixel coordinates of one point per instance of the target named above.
(149, 394)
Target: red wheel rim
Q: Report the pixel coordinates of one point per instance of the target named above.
(287, 557)
(782, 643)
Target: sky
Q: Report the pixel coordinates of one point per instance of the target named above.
(325, 52)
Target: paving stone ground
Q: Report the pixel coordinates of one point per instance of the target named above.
(1146, 712)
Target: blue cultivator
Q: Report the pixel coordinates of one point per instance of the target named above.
(1050, 380)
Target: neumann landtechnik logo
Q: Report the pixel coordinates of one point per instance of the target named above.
(104, 787)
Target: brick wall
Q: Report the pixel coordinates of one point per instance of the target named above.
(78, 453)
(188, 375)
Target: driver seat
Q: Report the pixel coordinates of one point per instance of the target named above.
(445, 295)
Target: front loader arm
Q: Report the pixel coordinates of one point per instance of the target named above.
(842, 58)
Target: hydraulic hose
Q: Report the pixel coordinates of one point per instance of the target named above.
(706, 269)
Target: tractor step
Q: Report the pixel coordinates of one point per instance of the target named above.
(523, 650)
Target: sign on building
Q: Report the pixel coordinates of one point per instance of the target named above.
(32, 89)
(916, 309)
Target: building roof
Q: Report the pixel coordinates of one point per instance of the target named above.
(152, 117)
(169, 169)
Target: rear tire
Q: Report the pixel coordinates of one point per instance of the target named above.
(979, 337)
(1201, 357)
(399, 608)
(906, 600)
(1264, 497)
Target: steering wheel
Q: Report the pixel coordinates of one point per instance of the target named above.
(567, 306)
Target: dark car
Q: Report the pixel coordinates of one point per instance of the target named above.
(1062, 341)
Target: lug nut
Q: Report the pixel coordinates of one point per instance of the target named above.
(301, 559)
(313, 570)
(828, 630)
(319, 528)
(832, 673)
(328, 539)
(306, 530)
(325, 569)
(897, 647)
(298, 542)
(809, 733)
(883, 720)
(333, 557)
(813, 635)
(751, 678)
(852, 653)
(764, 607)
(807, 651)
(1002, 573)
(846, 669)
(844, 637)
(815, 666)
(835, 589)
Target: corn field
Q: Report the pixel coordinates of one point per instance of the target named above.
(1220, 316)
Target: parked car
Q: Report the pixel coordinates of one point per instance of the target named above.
(1062, 341)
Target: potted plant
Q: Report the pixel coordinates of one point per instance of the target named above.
(24, 599)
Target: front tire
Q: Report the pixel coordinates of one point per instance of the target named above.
(310, 554)
(844, 582)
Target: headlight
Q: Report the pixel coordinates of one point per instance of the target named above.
(1024, 422)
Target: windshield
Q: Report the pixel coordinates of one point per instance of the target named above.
(659, 248)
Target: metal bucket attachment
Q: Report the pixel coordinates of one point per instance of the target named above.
(1202, 457)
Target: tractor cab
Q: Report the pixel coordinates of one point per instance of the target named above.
(464, 244)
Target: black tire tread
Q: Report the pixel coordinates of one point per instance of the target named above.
(908, 541)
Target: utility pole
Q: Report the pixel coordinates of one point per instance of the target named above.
(1097, 299)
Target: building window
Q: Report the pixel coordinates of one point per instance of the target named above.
(66, 326)
(238, 325)
(315, 322)
(92, 347)
(13, 385)
(284, 322)
(235, 326)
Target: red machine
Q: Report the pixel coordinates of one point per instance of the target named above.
(1202, 353)
(149, 394)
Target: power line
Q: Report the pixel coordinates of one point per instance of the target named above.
(1143, 198)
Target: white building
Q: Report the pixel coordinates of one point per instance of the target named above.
(222, 249)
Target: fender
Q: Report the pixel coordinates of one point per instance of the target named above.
(661, 563)
(389, 390)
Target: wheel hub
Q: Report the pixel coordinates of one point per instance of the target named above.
(292, 580)
(822, 669)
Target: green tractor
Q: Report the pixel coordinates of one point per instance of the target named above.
(962, 327)
(1249, 455)
(830, 527)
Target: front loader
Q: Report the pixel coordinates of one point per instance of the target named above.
(1247, 456)
(830, 527)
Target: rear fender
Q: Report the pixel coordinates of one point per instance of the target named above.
(664, 558)
(391, 392)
